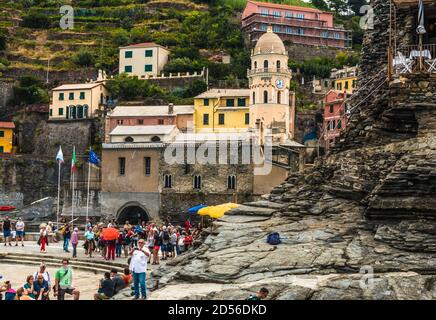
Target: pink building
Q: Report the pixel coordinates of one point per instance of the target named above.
(180, 116)
(335, 118)
(296, 24)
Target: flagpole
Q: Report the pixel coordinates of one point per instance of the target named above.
(87, 195)
(72, 198)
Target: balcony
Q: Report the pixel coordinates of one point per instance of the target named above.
(269, 71)
(411, 59)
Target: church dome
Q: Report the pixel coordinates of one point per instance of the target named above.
(269, 42)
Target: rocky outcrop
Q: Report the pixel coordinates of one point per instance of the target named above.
(359, 225)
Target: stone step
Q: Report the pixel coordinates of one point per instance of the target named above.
(53, 264)
(76, 261)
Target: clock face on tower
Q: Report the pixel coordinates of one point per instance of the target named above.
(280, 83)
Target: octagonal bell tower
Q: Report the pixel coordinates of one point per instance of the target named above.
(272, 104)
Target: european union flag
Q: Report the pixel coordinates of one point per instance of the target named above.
(93, 158)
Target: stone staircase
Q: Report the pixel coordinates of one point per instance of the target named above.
(94, 265)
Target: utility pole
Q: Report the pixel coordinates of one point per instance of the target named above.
(48, 69)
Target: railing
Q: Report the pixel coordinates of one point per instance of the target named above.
(415, 58)
(269, 70)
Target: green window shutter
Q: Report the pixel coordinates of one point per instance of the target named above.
(230, 102)
(82, 95)
(128, 54)
(2, 133)
(61, 111)
(71, 96)
(221, 118)
(127, 68)
(206, 119)
(1, 149)
(247, 118)
(241, 102)
(148, 53)
(148, 68)
(51, 112)
(61, 96)
(206, 102)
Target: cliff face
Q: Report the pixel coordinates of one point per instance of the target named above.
(366, 208)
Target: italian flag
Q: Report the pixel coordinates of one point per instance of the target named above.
(73, 161)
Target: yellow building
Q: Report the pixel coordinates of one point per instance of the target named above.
(221, 110)
(344, 80)
(6, 136)
(78, 101)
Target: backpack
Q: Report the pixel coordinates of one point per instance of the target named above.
(274, 238)
(166, 236)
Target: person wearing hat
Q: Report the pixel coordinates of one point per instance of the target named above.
(19, 228)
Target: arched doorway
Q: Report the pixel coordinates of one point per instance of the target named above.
(133, 212)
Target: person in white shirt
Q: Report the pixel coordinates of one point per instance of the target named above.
(19, 228)
(138, 266)
(45, 274)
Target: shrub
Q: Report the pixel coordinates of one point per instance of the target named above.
(83, 58)
(36, 20)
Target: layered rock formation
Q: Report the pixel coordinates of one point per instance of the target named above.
(359, 225)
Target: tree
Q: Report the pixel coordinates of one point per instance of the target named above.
(2, 42)
(338, 6)
(36, 20)
(83, 58)
(355, 5)
(320, 4)
(29, 90)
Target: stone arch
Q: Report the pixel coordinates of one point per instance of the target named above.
(132, 211)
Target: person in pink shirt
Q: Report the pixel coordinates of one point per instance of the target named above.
(75, 241)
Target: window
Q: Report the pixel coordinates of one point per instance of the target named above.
(263, 27)
(148, 68)
(265, 96)
(300, 31)
(339, 124)
(231, 182)
(279, 97)
(147, 166)
(241, 102)
(160, 121)
(140, 121)
(1, 149)
(168, 181)
(265, 64)
(128, 54)
(353, 85)
(61, 96)
(71, 96)
(255, 64)
(278, 64)
(331, 108)
(206, 119)
(247, 118)
(68, 112)
(277, 28)
(61, 111)
(205, 102)
(325, 34)
(328, 125)
(276, 13)
(288, 14)
(82, 96)
(148, 53)
(127, 68)
(254, 97)
(128, 139)
(119, 121)
(339, 86)
(336, 35)
(264, 12)
(121, 166)
(326, 83)
(230, 102)
(197, 182)
(288, 30)
(155, 139)
(51, 113)
(300, 15)
(221, 118)
(346, 85)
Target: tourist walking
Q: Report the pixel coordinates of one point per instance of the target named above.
(138, 266)
(75, 241)
(43, 239)
(89, 242)
(67, 236)
(111, 249)
(19, 228)
(119, 245)
(7, 230)
(64, 282)
(157, 244)
(150, 243)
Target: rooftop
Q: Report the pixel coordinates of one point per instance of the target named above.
(144, 45)
(142, 130)
(150, 111)
(219, 93)
(78, 86)
(285, 6)
(7, 125)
